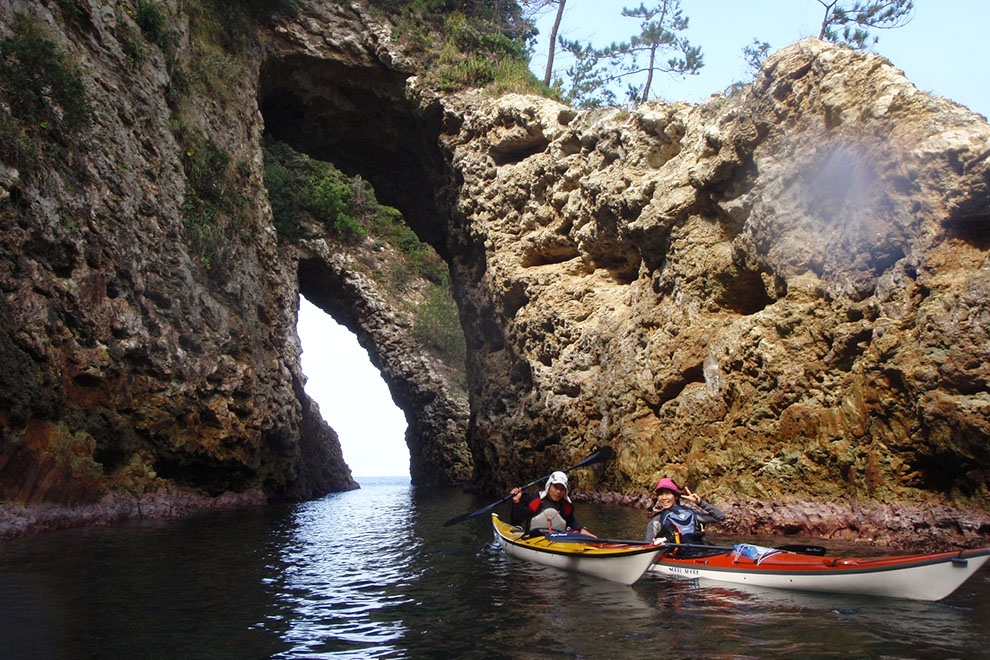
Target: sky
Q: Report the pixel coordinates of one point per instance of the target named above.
(944, 51)
(353, 398)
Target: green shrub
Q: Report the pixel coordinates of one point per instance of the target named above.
(513, 75)
(302, 188)
(206, 167)
(285, 204)
(152, 23)
(331, 206)
(437, 325)
(210, 210)
(467, 44)
(44, 93)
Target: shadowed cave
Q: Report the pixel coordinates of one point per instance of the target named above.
(359, 120)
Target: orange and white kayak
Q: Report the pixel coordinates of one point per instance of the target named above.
(616, 561)
(922, 577)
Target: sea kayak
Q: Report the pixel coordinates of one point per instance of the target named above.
(616, 561)
(922, 577)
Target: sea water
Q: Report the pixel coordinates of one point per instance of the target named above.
(373, 573)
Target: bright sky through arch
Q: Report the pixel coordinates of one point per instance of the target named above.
(353, 398)
(944, 50)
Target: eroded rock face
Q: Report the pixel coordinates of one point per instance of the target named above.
(776, 295)
(134, 372)
(779, 298)
(145, 374)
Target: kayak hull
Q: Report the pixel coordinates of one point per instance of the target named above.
(921, 577)
(618, 562)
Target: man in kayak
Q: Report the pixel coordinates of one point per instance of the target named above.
(552, 509)
(676, 522)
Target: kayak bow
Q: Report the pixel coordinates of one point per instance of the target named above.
(616, 561)
(922, 577)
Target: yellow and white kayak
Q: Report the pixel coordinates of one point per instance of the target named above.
(616, 561)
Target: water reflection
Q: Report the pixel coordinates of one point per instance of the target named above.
(865, 620)
(345, 562)
(374, 574)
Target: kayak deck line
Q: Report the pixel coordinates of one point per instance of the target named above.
(590, 549)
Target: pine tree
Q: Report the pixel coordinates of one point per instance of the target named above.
(553, 38)
(596, 70)
(754, 54)
(849, 24)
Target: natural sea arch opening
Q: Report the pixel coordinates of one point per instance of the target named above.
(354, 400)
(356, 116)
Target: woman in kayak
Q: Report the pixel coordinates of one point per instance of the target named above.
(552, 509)
(676, 522)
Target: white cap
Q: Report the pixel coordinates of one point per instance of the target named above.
(555, 478)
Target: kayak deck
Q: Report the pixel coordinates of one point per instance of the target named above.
(922, 577)
(616, 561)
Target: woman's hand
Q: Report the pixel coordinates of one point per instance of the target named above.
(516, 494)
(693, 498)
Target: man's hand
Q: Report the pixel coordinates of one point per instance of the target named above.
(516, 494)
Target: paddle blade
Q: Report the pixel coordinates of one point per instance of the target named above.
(816, 550)
(600, 456)
(464, 516)
(459, 519)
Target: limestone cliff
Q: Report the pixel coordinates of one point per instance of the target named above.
(147, 322)
(779, 297)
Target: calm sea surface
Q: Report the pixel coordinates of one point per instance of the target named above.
(373, 574)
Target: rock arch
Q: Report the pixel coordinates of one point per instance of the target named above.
(358, 117)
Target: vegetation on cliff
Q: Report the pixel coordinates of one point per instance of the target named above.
(41, 95)
(214, 195)
(217, 186)
(467, 43)
(312, 198)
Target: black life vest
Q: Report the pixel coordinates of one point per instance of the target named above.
(681, 524)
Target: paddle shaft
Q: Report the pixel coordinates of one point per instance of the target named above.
(598, 456)
(796, 549)
(582, 538)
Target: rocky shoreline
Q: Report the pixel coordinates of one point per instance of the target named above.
(907, 526)
(23, 519)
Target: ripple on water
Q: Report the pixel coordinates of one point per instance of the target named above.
(375, 574)
(335, 579)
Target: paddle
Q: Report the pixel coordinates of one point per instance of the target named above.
(598, 456)
(815, 550)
